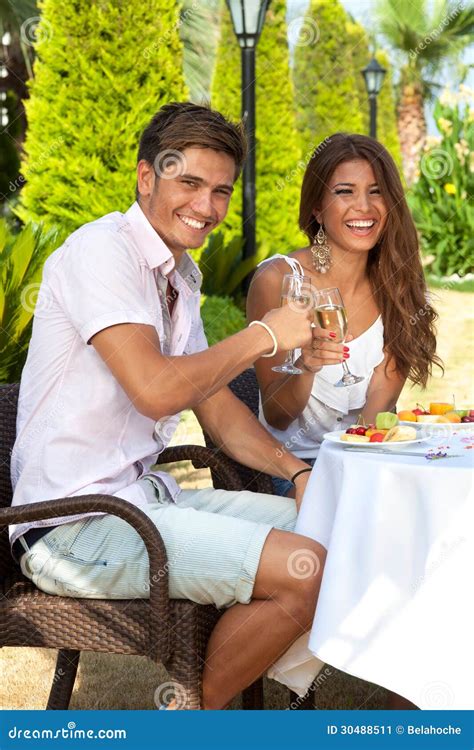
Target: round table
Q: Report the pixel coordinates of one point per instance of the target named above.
(395, 606)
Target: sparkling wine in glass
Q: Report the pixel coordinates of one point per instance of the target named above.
(296, 291)
(330, 314)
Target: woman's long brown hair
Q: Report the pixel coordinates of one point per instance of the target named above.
(394, 264)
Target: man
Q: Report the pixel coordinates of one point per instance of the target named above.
(117, 351)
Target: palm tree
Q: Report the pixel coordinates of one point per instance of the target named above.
(425, 36)
(199, 32)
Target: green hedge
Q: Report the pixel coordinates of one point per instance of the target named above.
(326, 83)
(221, 318)
(278, 146)
(102, 70)
(387, 131)
(330, 90)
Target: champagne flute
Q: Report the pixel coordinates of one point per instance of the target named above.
(331, 315)
(296, 291)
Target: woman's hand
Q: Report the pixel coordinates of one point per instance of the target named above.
(323, 351)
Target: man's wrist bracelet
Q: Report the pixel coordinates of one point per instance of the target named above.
(301, 471)
(269, 330)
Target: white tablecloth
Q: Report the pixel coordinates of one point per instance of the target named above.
(395, 606)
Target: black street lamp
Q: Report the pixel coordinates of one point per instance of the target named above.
(373, 77)
(248, 17)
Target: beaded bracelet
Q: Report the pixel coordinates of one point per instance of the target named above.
(267, 328)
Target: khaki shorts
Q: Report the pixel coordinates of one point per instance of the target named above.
(213, 538)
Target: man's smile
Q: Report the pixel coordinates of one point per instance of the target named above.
(193, 223)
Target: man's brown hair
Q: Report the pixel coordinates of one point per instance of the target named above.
(180, 125)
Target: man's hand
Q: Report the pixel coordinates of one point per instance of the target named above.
(292, 327)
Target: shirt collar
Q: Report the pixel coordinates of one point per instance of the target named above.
(149, 243)
(155, 252)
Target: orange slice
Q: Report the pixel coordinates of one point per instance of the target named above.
(441, 408)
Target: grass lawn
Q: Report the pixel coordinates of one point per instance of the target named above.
(456, 349)
(119, 682)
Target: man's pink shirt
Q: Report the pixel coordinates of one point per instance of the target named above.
(78, 432)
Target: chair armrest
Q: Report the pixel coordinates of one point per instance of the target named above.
(144, 526)
(203, 458)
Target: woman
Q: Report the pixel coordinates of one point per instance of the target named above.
(364, 242)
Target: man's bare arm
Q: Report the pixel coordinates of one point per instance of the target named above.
(238, 433)
(160, 385)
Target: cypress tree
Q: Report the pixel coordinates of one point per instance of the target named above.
(387, 132)
(102, 70)
(330, 90)
(326, 85)
(386, 114)
(278, 167)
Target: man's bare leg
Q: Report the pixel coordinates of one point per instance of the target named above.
(250, 637)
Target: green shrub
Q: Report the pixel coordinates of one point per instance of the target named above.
(221, 265)
(387, 132)
(278, 148)
(441, 198)
(331, 52)
(221, 318)
(102, 70)
(22, 256)
(326, 84)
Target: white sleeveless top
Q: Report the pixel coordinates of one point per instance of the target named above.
(331, 408)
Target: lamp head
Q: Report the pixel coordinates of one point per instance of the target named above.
(248, 17)
(373, 77)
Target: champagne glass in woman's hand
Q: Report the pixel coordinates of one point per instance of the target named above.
(331, 314)
(296, 291)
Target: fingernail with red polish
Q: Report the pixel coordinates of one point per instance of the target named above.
(332, 334)
(346, 349)
(346, 355)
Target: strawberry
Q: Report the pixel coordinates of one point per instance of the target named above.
(377, 437)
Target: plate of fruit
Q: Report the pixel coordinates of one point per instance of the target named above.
(440, 413)
(387, 429)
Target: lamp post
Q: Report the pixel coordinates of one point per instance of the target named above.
(373, 77)
(248, 17)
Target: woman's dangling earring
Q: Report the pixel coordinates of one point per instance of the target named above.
(321, 252)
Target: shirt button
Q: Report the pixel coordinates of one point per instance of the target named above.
(339, 419)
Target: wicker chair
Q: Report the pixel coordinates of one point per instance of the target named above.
(245, 387)
(173, 632)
